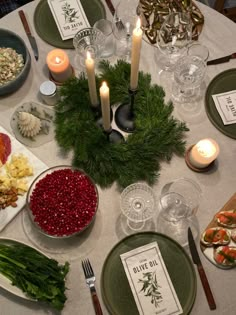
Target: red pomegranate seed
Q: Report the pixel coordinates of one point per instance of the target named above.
(63, 202)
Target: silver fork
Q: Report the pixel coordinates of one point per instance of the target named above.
(90, 280)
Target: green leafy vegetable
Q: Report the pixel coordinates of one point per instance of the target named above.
(38, 276)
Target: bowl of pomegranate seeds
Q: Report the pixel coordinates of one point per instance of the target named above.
(62, 201)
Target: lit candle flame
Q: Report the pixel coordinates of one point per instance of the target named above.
(104, 85)
(57, 60)
(138, 23)
(206, 148)
(88, 55)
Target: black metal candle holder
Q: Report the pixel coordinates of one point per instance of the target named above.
(97, 111)
(114, 136)
(124, 116)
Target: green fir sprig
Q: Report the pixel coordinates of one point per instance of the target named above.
(158, 135)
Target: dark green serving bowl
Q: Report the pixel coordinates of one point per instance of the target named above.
(10, 39)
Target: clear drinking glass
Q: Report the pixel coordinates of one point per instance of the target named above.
(174, 37)
(123, 23)
(88, 40)
(178, 205)
(137, 203)
(198, 50)
(189, 75)
(108, 46)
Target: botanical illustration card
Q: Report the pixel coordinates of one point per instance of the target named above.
(226, 106)
(150, 282)
(69, 16)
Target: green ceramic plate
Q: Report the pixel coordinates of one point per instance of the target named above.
(223, 82)
(116, 292)
(46, 27)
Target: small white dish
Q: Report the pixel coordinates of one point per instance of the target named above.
(46, 116)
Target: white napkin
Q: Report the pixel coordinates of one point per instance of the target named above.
(149, 281)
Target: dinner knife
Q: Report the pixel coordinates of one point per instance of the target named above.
(110, 6)
(203, 277)
(221, 60)
(28, 32)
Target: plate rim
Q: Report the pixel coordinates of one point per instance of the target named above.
(108, 307)
(207, 102)
(63, 44)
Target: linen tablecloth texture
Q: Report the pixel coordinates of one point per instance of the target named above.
(218, 186)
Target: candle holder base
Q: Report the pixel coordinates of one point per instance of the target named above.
(124, 116)
(60, 83)
(98, 115)
(194, 168)
(114, 136)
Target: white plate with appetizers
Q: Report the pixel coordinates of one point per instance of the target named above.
(16, 155)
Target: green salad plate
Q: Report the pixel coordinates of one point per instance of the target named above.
(116, 292)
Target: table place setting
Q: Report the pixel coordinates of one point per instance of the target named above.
(129, 209)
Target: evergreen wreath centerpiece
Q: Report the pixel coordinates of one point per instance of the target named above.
(157, 136)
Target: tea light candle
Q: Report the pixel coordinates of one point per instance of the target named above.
(89, 65)
(135, 54)
(59, 65)
(105, 103)
(203, 153)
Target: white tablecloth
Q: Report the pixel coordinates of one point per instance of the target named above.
(218, 186)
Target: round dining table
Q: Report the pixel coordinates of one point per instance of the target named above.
(218, 184)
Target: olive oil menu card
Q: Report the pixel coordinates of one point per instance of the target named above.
(226, 106)
(150, 282)
(69, 16)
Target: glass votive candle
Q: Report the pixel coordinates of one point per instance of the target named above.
(59, 65)
(203, 153)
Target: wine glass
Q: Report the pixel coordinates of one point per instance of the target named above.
(189, 76)
(174, 37)
(88, 40)
(137, 203)
(123, 23)
(178, 205)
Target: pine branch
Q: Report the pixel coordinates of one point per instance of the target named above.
(158, 135)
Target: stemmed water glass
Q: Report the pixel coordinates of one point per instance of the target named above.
(123, 23)
(174, 37)
(137, 203)
(178, 205)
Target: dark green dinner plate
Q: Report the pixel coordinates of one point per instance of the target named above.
(47, 29)
(223, 82)
(116, 291)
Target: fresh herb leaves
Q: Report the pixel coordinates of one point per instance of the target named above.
(38, 276)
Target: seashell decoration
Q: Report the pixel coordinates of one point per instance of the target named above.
(28, 124)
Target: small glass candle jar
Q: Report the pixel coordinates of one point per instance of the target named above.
(48, 92)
